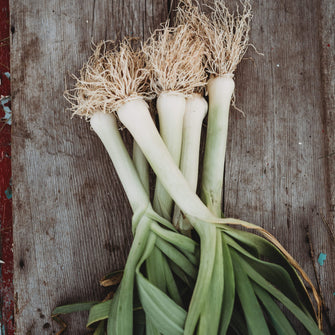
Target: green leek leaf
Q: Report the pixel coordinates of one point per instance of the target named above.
(252, 310)
(155, 269)
(273, 273)
(164, 313)
(266, 249)
(177, 239)
(211, 314)
(304, 318)
(99, 312)
(229, 288)
(71, 308)
(279, 320)
(177, 257)
(171, 285)
(150, 328)
(112, 315)
(155, 217)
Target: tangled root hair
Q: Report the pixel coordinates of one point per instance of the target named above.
(113, 75)
(225, 34)
(175, 59)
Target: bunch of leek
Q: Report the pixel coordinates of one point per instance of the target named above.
(239, 276)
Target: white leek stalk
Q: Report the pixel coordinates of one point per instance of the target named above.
(135, 116)
(220, 90)
(196, 110)
(175, 62)
(141, 166)
(106, 128)
(171, 109)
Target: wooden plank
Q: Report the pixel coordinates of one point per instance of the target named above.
(327, 43)
(72, 226)
(71, 218)
(276, 174)
(327, 34)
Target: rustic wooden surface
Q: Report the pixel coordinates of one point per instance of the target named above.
(71, 218)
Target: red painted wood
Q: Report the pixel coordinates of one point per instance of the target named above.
(6, 228)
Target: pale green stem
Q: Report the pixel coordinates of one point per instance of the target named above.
(171, 109)
(196, 110)
(136, 118)
(210, 317)
(106, 127)
(215, 150)
(142, 167)
(202, 287)
(220, 90)
(124, 309)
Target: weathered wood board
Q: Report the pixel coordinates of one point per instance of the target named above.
(71, 217)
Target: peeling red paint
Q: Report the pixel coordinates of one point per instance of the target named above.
(6, 228)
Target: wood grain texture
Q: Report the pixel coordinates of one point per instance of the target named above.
(71, 218)
(327, 47)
